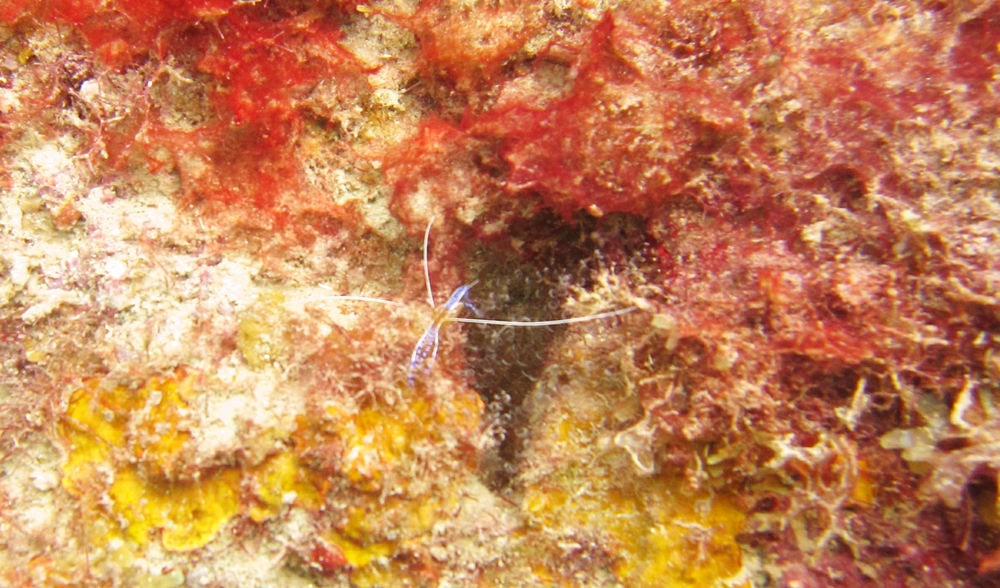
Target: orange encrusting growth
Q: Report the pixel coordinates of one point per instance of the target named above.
(133, 446)
(139, 436)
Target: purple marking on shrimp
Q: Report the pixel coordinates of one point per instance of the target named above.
(426, 346)
(457, 297)
(425, 351)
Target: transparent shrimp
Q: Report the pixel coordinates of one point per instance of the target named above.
(425, 351)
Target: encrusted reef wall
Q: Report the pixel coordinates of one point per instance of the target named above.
(212, 293)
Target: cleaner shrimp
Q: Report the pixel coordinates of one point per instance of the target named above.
(425, 350)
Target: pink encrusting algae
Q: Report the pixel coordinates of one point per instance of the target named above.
(733, 265)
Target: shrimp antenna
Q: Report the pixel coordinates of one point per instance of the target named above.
(352, 298)
(427, 272)
(578, 319)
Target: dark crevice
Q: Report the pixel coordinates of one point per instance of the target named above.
(528, 282)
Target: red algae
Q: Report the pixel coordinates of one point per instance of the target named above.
(231, 136)
(120, 32)
(469, 43)
(263, 65)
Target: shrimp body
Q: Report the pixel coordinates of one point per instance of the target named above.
(425, 351)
